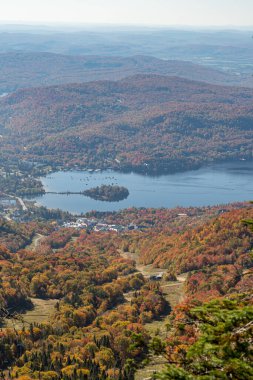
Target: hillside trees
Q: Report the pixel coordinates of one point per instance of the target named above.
(146, 123)
(223, 343)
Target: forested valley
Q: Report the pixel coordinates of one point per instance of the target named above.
(103, 303)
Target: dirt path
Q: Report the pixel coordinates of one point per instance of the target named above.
(174, 294)
(35, 242)
(146, 270)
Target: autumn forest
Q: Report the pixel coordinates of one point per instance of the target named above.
(139, 293)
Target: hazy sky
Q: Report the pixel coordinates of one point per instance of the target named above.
(148, 12)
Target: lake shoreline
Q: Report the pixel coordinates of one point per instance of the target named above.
(210, 185)
(141, 170)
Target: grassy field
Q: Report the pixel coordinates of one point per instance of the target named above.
(41, 312)
(174, 294)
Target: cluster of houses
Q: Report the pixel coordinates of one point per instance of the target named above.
(98, 226)
(10, 173)
(8, 208)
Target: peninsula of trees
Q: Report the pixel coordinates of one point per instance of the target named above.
(108, 193)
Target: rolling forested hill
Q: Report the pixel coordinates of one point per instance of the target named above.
(34, 69)
(229, 50)
(146, 123)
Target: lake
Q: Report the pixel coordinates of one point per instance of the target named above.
(211, 185)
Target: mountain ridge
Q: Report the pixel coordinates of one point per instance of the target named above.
(34, 69)
(146, 122)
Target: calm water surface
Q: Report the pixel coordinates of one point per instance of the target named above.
(215, 184)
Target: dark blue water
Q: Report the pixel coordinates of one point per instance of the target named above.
(215, 184)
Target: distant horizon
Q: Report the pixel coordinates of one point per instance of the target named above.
(46, 24)
(146, 13)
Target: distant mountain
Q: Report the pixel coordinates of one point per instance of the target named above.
(23, 70)
(227, 50)
(146, 123)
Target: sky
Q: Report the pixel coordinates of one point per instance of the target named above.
(130, 12)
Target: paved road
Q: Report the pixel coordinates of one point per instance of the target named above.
(21, 202)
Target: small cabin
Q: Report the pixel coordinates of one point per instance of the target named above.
(156, 277)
